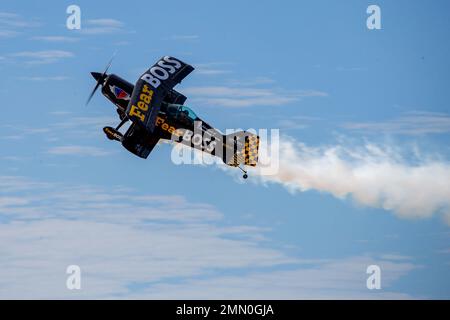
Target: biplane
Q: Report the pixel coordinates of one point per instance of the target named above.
(157, 111)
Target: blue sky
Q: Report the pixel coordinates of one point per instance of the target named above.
(363, 112)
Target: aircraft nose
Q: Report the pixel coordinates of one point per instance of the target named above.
(96, 75)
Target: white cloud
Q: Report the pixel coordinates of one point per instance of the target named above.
(108, 23)
(67, 126)
(43, 56)
(78, 151)
(210, 69)
(91, 122)
(246, 96)
(123, 239)
(412, 123)
(49, 54)
(371, 175)
(228, 91)
(344, 69)
(117, 236)
(53, 78)
(312, 93)
(102, 26)
(186, 37)
(8, 33)
(56, 39)
(335, 279)
(247, 102)
(20, 132)
(296, 122)
(8, 19)
(11, 23)
(11, 184)
(251, 82)
(12, 137)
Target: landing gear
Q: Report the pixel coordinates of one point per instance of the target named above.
(245, 176)
(125, 119)
(114, 134)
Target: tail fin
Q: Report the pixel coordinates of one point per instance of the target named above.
(241, 148)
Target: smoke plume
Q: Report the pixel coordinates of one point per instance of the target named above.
(370, 175)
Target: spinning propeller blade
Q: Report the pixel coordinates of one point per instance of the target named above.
(100, 77)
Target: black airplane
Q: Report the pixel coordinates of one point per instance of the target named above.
(157, 111)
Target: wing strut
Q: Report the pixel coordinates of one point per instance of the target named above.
(114, 133)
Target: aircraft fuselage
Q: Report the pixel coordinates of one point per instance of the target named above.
(174, 121)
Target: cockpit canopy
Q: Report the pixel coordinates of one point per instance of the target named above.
(188, 111)
(181, 112)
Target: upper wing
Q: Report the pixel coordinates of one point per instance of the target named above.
(151, 89)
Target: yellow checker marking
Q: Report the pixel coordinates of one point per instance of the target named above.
(251, 150)
(250, 155)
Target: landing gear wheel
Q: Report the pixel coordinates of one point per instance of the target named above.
(245, 176)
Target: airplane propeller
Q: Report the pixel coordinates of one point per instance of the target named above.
(100, 77)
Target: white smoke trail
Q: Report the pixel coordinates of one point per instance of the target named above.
(372, 176)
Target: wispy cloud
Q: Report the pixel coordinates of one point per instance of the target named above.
(130, 244)
(102, 26)
(186, 37)
(336, 279)
(228, 91)
(15, 20)
(349, 69)
(16, 132)
(78, 151)
(145, 238)
(296, 122)
(43, 56)
(12, 137)
(90, 123)
(12, 184)
(8, 33)
(312, 93)
(210, 69)
(251, 82)
(56, 39)
(412, 123)
(106, 22)
(12, 24)
(247, 96)
(52, 78)
(65, 126)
